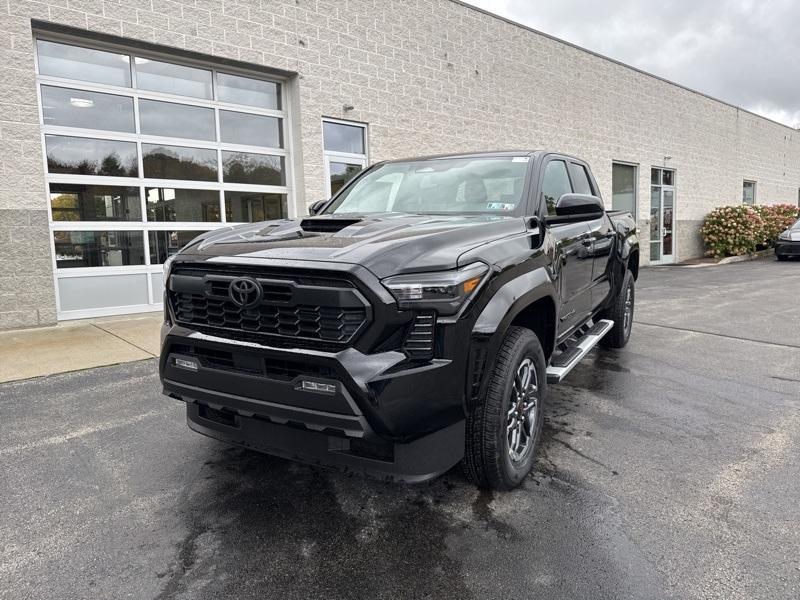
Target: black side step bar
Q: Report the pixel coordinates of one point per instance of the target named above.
(563, 363)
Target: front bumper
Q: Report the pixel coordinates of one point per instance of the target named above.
(375, 413)
(787, 248)
(414, 462)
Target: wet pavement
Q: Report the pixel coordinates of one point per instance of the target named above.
(668, 469)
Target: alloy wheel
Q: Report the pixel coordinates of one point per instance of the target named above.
(523, 411)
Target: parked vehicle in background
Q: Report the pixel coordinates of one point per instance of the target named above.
(788, 244)
(412, 322)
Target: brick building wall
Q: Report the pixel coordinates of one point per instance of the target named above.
(427, 76)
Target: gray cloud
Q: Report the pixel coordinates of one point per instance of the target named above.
(745, 52)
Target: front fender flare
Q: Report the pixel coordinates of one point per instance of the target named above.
(494, 320)
(511, 298)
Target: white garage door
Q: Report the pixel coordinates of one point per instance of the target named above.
(143, 153)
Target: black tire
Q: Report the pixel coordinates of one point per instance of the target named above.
(782, 257)
(487, 460)
(621, 332)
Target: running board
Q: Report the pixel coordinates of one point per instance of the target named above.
(562, 364)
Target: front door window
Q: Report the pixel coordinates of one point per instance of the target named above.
(662, 213)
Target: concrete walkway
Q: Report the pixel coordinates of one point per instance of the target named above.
(76, 345)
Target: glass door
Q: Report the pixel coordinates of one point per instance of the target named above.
(345, 145)
(340, 170)
(662, 216)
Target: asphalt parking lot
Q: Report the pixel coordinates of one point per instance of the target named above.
(669, 469)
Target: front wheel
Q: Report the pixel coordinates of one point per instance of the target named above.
(782, 257)
(503, 432)
(621, 312)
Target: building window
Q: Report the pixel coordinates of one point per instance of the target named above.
(623, 187)
(143, 154)
(749, 193)
(345, 145)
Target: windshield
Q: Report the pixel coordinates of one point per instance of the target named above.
(796, 226)
(451, 185)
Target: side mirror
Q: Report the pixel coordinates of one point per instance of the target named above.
(316, 207)
(579, 206)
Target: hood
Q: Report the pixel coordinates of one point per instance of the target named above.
(386, 244)
(790, 235)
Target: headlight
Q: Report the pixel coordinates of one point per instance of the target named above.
(167, 266)
(445, 291)
(786, 236)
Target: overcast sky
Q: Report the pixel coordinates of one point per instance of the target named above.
(746, 52)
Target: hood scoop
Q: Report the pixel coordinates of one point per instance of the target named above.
(326, 225)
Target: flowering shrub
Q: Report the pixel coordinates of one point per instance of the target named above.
(777, 218)
(734, 230)
(731, 230)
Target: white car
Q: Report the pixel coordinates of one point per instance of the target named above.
(788, 244)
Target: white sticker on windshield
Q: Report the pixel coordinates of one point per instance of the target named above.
(500, 206)
(520, 159)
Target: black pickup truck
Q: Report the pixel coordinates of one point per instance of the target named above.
(412, 322)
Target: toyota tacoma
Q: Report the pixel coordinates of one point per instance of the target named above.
(410, 323)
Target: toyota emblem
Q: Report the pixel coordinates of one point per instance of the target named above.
(245, 292)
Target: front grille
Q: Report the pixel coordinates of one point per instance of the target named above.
(326, 323)
(324, 314)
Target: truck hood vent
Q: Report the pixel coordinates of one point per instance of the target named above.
(326, 225)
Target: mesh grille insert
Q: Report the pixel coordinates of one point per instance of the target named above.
(299, 312)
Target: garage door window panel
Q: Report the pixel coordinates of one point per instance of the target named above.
(251, 207)
(83, 64)
(256, 169)
(66, 107)
(235, 89)
(164, 244)
(169, 78)
(179, 162)
(169, 119)
(250, 130)
(87, 156)
(94, 203)
(76, 249)
(171, 204)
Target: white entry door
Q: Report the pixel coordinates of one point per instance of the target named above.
(662, 217)
(341, 168)
(345, 145)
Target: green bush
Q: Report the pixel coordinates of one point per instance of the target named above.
(734, 230)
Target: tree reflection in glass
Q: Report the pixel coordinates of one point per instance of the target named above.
(177, 162)
(85, 156)
(259, 169)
